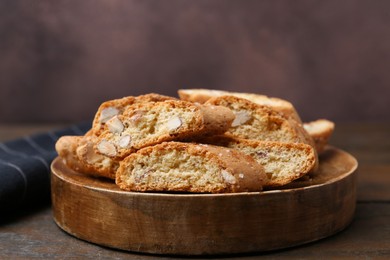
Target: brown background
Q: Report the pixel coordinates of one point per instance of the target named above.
(60, 59)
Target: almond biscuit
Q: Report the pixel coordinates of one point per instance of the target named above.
(190, 167)
(150, 123)
(282, 162)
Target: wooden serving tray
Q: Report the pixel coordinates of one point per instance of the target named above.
(317, 206)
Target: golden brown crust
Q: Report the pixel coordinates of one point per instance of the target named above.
(150, 123)
(277, 104)
(249, 133)
(78, 153)
(321, 131)
(282, 162)
(110, 108)
(259, 122)
(198, 95)
(167, 167)
(263, 123)
(66, 148)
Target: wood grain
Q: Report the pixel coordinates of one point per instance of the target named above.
(96, 210)
(32, 233)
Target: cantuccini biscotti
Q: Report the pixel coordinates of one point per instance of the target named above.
(66, 147)
(258, 122)
(282, 162)
(203, 95)
(149, 123)
(254, 121)
(190, 167)
(250, 141)
(320, 130)
(79, 154)
(78, 151)
(111, 108)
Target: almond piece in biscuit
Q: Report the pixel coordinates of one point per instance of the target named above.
(282, 162)
(190, 167)
(109, 109)
(150, 123)
(254, 121)
(277, 104)
(78, 154)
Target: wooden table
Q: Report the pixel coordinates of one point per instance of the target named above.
(32, 233)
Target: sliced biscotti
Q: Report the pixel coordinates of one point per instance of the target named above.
(79, 154)
(190, 167)
(66, 147)
(203, 95)
(149, 123)
(282, 162)
(111, 108)
(254, 121)
(320, 130)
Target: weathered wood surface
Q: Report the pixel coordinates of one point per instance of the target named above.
(95, 210)
(33, 233)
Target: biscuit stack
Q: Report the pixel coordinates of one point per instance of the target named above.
(207, 141)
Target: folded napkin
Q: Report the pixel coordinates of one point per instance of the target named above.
(25, 167)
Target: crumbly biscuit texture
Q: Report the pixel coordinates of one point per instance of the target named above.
(78, 154)
(203, 95)
(321, 131)
(150, 123)
(153, 143)
(189, 167)
(257, 122)
(66, 147)
(282, 162)
(254, 121)
(109, 109)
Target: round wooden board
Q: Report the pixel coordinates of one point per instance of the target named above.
(317, 206)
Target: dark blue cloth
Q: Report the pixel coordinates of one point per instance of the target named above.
(25, 167)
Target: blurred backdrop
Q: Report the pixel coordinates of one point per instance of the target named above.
(60, 59)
